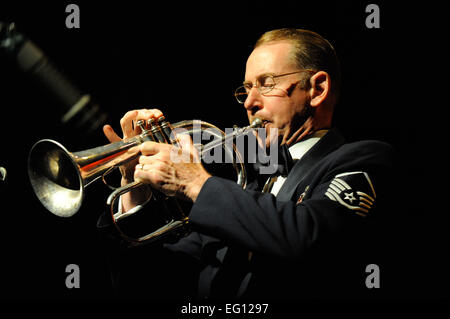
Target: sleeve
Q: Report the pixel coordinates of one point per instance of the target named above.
(190, 245)
(119, 215)
(288, 229)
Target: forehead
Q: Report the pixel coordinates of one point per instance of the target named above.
(269, 58)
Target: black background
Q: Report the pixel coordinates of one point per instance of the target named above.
(187, 59)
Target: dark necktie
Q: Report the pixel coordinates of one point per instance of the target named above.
(233, 278)
(285, 161)
(281, 166)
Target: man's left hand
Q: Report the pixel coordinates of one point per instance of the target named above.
(173, 170)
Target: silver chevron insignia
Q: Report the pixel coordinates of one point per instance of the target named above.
(359, 201)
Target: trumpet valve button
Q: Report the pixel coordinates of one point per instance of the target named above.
(141, 124)
(150, 122)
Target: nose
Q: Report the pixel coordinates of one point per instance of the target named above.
(253, 102)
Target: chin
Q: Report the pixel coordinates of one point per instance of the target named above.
(272, 134)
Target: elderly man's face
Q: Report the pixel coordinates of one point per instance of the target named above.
(283, 107)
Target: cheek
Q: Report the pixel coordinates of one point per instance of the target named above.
(283, 114)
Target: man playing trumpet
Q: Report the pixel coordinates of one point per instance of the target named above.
(293, 235)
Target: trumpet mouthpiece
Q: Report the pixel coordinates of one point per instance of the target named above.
(257, 122)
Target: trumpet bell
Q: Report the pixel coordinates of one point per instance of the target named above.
(55, 178)
(59, 177)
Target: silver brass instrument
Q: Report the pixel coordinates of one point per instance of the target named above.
(59, 177)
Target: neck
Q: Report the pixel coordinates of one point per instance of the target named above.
(308, 128)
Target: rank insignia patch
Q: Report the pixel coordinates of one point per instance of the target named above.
(353, 190)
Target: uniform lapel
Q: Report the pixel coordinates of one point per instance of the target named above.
(331, 141)
(328, 143)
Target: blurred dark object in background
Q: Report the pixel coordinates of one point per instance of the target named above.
(76, 110)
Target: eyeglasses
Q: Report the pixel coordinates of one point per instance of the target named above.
(264, 84)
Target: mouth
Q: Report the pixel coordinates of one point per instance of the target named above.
(264, 122)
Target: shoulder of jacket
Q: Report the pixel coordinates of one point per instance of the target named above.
(367, 147)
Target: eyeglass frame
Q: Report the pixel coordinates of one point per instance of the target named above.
(273, 76)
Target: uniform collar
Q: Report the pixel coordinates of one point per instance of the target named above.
(301, 148)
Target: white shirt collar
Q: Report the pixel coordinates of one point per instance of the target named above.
(299, 149)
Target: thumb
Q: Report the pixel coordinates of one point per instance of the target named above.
(110, 134)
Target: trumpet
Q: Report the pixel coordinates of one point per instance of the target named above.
(59, 177)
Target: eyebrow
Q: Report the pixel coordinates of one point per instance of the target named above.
(259, 77)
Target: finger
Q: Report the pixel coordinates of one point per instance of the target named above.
(147, 159)
(146, 114)
(126, 123)
(154, 166)
(152, 148)
(110, 134)
(146, 174)
(140, 175)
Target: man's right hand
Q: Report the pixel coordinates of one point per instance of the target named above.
(130, 129)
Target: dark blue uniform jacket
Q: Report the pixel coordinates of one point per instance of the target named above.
(314, 239)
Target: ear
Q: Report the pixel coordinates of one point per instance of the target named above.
(320, 88)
